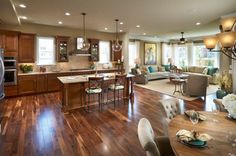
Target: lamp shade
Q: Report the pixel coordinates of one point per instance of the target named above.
(116, 46)
(210, 42)
(227, 23)
(85, 45)
(227, 39)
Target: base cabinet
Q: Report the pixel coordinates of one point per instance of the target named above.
(27, 84)
(41, 83)
(10, 90)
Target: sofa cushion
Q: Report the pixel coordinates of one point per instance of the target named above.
(138, 71)
(150, 69)
(212, 71)
(161, 69)
(200, 70)
(167, 67)
(191, 69)
(185, 69)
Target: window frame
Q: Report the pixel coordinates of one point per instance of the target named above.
(100, 52)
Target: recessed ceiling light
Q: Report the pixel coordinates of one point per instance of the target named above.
(22, 6)
(67, 14)
(198, 23)
(60, 22)
(137, 26)
(121, 23)
(23, 17)
(121, 30)
(106, 28)
(144, 33)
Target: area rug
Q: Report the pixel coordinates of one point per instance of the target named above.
(166, 87)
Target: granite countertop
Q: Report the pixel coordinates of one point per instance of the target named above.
(84, 78)
(65, 71)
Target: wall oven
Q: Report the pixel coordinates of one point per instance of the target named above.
(10, 77)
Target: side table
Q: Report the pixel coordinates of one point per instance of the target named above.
(178, 85)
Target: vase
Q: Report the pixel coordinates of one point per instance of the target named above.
(220, 93)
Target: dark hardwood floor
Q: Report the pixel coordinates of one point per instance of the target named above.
(35, 125)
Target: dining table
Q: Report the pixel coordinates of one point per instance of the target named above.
(217, 124)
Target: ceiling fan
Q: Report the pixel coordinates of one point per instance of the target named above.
(182, 39)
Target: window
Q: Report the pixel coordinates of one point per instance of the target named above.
(104, 51)
(201, 57)
(80, 41)
(167, 53)
(181, 55)
(133, 53)
(45, 51)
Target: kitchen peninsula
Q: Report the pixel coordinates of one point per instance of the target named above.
(73, 89)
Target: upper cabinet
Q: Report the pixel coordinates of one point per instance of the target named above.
(116, 55)
(94, 49)
(62, 48)
(26, 48)
(9, 41)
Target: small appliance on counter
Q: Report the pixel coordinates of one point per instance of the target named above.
(2, 72)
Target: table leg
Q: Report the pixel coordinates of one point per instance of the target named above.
(132, 90)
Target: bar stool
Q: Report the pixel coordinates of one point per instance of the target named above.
(118, 86)
(95, 85)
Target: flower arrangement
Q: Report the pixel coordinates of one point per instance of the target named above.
(225, 81)
(229, 103)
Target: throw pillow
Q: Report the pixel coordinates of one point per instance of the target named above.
(138, 71)
(205, 71)
(150, 69)
(167, 67)
(212, 71)
(161, 69)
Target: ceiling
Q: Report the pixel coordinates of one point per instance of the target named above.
(157, 18)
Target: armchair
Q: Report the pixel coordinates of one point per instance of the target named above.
(139, 78)
(196, 85)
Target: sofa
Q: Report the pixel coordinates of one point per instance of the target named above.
(210, 72)
(155, 72)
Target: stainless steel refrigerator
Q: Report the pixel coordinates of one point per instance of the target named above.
(2, 72)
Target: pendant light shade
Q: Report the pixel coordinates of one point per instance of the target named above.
(210, 42)
(116, 45)
(85, 44)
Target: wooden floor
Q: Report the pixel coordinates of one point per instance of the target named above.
(35, 125)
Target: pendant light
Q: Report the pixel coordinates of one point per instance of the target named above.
(182, 39)
(116, 46)
(85, 44)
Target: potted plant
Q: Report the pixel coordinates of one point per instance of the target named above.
(225, 83)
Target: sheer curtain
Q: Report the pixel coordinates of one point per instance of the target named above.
(133, 53)
(167, 52)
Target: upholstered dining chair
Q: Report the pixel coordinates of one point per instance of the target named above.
(118, 86)
(219, 105)
(170, 108)
(154, 146)
(196, 86)
(95, 85)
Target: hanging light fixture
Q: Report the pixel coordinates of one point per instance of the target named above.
(116, 46)
(182, 39)
(226, 38)
(85, 44)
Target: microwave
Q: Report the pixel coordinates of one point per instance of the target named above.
(10, 63)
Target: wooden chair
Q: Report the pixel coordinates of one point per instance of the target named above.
(154, 146)
(95, 86)
(118, 86)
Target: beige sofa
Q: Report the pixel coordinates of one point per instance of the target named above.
(202, 71)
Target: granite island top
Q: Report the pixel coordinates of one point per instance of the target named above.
(84, 78)
(67, 71)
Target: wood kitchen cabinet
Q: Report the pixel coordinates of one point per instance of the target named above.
(116, 55)
(53, 83)
(41, 83)
(26, 48)
(11, 90)
(94, 50)
(62, 51)
(10, 43)
(27, 84)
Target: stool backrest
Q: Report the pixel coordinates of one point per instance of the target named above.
(120, 79)
(96, 82)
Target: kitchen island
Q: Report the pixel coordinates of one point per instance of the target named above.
(73, 89)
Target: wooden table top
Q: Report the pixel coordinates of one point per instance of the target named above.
(218, 125)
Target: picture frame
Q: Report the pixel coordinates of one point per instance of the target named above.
(150, 54)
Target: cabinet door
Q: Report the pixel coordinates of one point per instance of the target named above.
(94, 49)
(53, 83)
(41, 83)
(62, 44)
(10, 90)
(11, 42)
(26, 48)
(27, 84)
(116, 55)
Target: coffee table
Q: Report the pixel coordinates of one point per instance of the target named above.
(177, 76)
